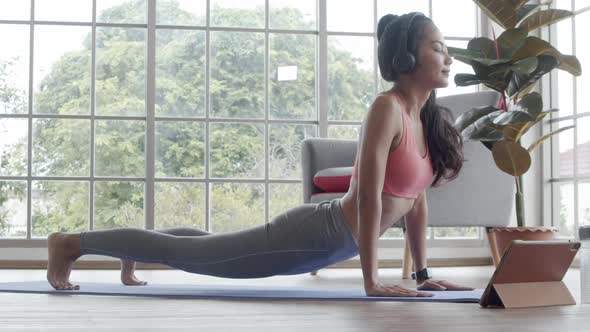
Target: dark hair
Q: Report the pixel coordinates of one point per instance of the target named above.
(444, 140)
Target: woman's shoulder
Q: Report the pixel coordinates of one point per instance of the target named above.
(385, 107)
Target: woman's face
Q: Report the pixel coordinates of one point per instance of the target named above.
(433, 63)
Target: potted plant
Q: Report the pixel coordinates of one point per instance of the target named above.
(512, 64)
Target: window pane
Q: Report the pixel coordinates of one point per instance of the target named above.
(579, 4)
(292, 76)
(180, 205)
(59, 206)
(120, 148)
(15, 10)
(121, 11)
(445, 18)
(344, 132)
(383, 85)
(180, 73)
(566, 210)
(566, 149)
(456, 232)
(283, 197)
(62, 70)
(292, 14)
(120, 71)
(495, 28)
(237, 74)
(14, 68)
(118, 204)
(13, 209)
(236, 206)
(393, 232)
(457, 67)
(238, 14)
(180, 12)
(61, 147)
(565, 80)
(237, 150)
(180, 149)
(13, 147)
(285, 149)
(583, 55)
(63, 10)
(583, 145)
(584, 203)
(350, 15)
(563, 4)
(351, 79)
(385, 7)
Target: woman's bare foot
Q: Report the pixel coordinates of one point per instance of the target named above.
(128, 274)
(63, 250)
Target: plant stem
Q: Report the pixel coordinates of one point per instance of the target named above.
(519, 200)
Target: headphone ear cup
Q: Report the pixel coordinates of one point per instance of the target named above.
(404, 63)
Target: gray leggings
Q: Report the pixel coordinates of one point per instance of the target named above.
(300, 240)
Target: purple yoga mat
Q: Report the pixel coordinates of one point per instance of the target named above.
(234, 292)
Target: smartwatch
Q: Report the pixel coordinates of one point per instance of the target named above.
(423, 274)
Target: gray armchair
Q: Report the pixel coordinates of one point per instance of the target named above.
(481, 195)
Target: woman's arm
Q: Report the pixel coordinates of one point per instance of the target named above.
(416, 228)
(379, 129)
(369, 212)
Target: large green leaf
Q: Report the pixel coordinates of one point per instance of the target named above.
(512, 117)
(510, 41)
(469, 117)
(518, 82)
(534, 46)
(502, 12)
(514, 131)
(469, 59)
(478, 52)
(466, 79)
(532, 103)
(511, 158)
(470, 79)
(523, 92)
(570, 64)
(544, 17)
(525, 10)
(525, 66)
(495, 77)
(483, 129)
(482, 46)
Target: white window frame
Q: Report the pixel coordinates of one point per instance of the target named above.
(149, 180)
(551, 183)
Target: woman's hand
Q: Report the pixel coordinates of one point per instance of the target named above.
(438, 285)
(379, 289)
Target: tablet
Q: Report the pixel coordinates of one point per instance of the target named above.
(530, 264)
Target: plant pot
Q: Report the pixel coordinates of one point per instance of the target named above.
(501, 237)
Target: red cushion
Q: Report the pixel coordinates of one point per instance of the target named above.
(333, 180)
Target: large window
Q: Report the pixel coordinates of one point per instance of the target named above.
(570, 178)
(163, 113)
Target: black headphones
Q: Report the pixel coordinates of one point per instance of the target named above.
(403, 60)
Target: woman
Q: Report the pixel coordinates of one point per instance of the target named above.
(405, 141)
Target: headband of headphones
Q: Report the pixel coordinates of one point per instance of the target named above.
(403, 60)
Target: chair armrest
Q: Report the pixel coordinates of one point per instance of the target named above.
(322, 153)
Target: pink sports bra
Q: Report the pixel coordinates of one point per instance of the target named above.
(407, 173)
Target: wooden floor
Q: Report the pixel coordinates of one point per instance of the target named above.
(89, 313)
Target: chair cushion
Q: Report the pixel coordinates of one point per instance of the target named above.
(333, 180)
